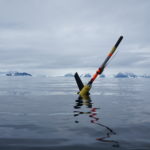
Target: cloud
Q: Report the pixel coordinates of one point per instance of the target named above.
(49, 34)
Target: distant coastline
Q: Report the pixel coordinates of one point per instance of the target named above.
(68, 75)
(118, 75)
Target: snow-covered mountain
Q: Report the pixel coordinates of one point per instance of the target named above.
(86, 75)
(14, 73)
(125, 75)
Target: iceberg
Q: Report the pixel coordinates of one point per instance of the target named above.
(69, 75)
(102, 76)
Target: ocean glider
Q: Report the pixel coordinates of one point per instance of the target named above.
(84, 89)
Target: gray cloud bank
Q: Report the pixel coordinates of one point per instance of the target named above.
(44, 35)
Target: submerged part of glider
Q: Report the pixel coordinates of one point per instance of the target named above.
(84, 89)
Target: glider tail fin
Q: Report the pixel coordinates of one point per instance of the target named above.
(79, 82)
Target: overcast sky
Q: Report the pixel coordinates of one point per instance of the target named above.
(57, 36)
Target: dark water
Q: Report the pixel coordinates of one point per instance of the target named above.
(45, 113)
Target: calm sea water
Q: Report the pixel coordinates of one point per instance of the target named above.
(45, 113)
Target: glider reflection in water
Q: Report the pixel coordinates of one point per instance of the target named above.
(92, 114)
